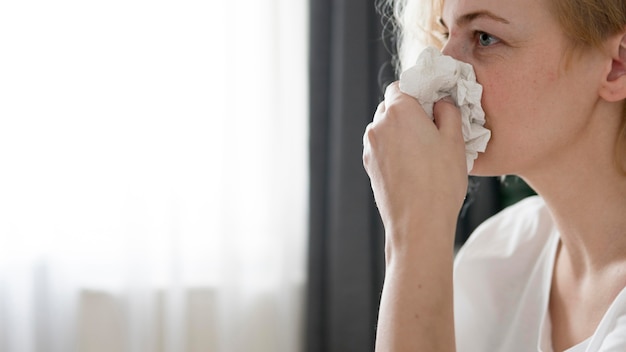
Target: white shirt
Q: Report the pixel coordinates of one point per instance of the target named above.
(502, 279)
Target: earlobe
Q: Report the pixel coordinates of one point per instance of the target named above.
(614, 88)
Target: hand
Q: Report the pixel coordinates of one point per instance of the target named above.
(417, 168)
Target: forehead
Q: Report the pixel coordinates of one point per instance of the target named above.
(512, 10)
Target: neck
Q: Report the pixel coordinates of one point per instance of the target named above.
(589, 208)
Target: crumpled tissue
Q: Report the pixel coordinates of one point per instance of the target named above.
(435, 76)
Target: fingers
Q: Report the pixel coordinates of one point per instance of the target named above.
(380, 111)
(392, 91)
(447, 116)
(448, 119)
(398, 103)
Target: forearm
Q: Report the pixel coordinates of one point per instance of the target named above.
(419, 178)
(416, 310)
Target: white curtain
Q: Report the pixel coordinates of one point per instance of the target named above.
(153, 175)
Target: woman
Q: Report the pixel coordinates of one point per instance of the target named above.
(548, 273)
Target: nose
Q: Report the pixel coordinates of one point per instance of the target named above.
(450, 49)
(460, 50)
(447, 48)
(456, 47)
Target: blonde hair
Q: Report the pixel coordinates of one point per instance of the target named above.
(414, 24)
(587, 23)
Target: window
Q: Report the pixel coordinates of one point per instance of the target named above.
(153, 175)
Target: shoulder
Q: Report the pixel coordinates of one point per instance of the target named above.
(502, 274)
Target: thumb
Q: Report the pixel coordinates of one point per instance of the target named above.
(448, 119)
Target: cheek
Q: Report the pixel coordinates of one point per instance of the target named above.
(516, 99)
(520, 108)
(500, 97)
(512, 112)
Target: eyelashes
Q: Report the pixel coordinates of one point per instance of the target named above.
(480, 38)
(485, 39)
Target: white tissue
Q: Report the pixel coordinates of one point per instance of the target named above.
(435, 76)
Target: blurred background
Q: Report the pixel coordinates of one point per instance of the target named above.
(186, 175)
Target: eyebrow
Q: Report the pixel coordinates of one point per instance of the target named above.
(467, 18)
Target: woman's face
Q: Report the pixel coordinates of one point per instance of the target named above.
(538, 110)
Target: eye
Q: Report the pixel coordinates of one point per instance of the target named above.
(486, 39)
(441, 34)
(442, 30)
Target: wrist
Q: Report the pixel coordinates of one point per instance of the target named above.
(422, 241)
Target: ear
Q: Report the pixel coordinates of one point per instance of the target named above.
(614, 87)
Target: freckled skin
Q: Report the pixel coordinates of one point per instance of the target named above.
(538, 111)
(555, 126)
(554, 120)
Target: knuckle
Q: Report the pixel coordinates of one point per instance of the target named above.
(369, 144)
(394, 111)
(366, 159)
(370, 135)
(380, 107)
(392, 87)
